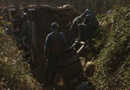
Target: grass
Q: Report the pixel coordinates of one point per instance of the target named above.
(110, 50)
(14, 72)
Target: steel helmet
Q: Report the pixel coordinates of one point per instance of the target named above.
(87, 11)
(54, 26)
(25, 15)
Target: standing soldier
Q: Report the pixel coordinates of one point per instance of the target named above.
(54, 44)
(23, 36)
(90, 24)
(24, 33)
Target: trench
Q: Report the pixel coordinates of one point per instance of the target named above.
(43, 17)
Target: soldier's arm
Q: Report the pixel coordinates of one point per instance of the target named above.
(46, 46)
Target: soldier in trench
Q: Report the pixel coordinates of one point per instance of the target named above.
(88, 27)
(54, 44)
(73, 31)
(23, 34)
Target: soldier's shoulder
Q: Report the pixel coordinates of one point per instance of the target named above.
(50, 34)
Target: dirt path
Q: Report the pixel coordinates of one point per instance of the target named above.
(38, 71)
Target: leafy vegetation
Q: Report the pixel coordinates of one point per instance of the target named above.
(14, 72)
(111, 51)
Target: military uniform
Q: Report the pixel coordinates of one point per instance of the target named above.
(25, 33)
(73, 31)
(53, 41)
(90, 25)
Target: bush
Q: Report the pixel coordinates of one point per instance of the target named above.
(14, 72)
(112, 44)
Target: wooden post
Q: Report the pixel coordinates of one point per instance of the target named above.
(17, 7)
(10, 15)
(10, 9)
(33, 34)
(33, 42)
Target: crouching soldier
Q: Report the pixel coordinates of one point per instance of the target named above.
(90, 24)
(73, 31)
(54, 44)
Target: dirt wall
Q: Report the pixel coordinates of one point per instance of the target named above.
(43, 16)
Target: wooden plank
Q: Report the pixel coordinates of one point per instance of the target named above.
(80, 49)
(31, 9)
(73, 45)
(11, 9)
(81, 42)
(33, 41)
(10, 17)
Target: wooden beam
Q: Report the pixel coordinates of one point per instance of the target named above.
(81, 42)
(80, 49)
(33, 35)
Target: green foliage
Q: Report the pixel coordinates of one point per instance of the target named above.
(112, 44)
(14, 72)
(100, 16)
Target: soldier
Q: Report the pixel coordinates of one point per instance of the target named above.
(74, 31)
(23, 34)
(90, 24)
(54, 44)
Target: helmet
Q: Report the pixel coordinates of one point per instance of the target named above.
(54, 26)
(87, 11)
(25, 15)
